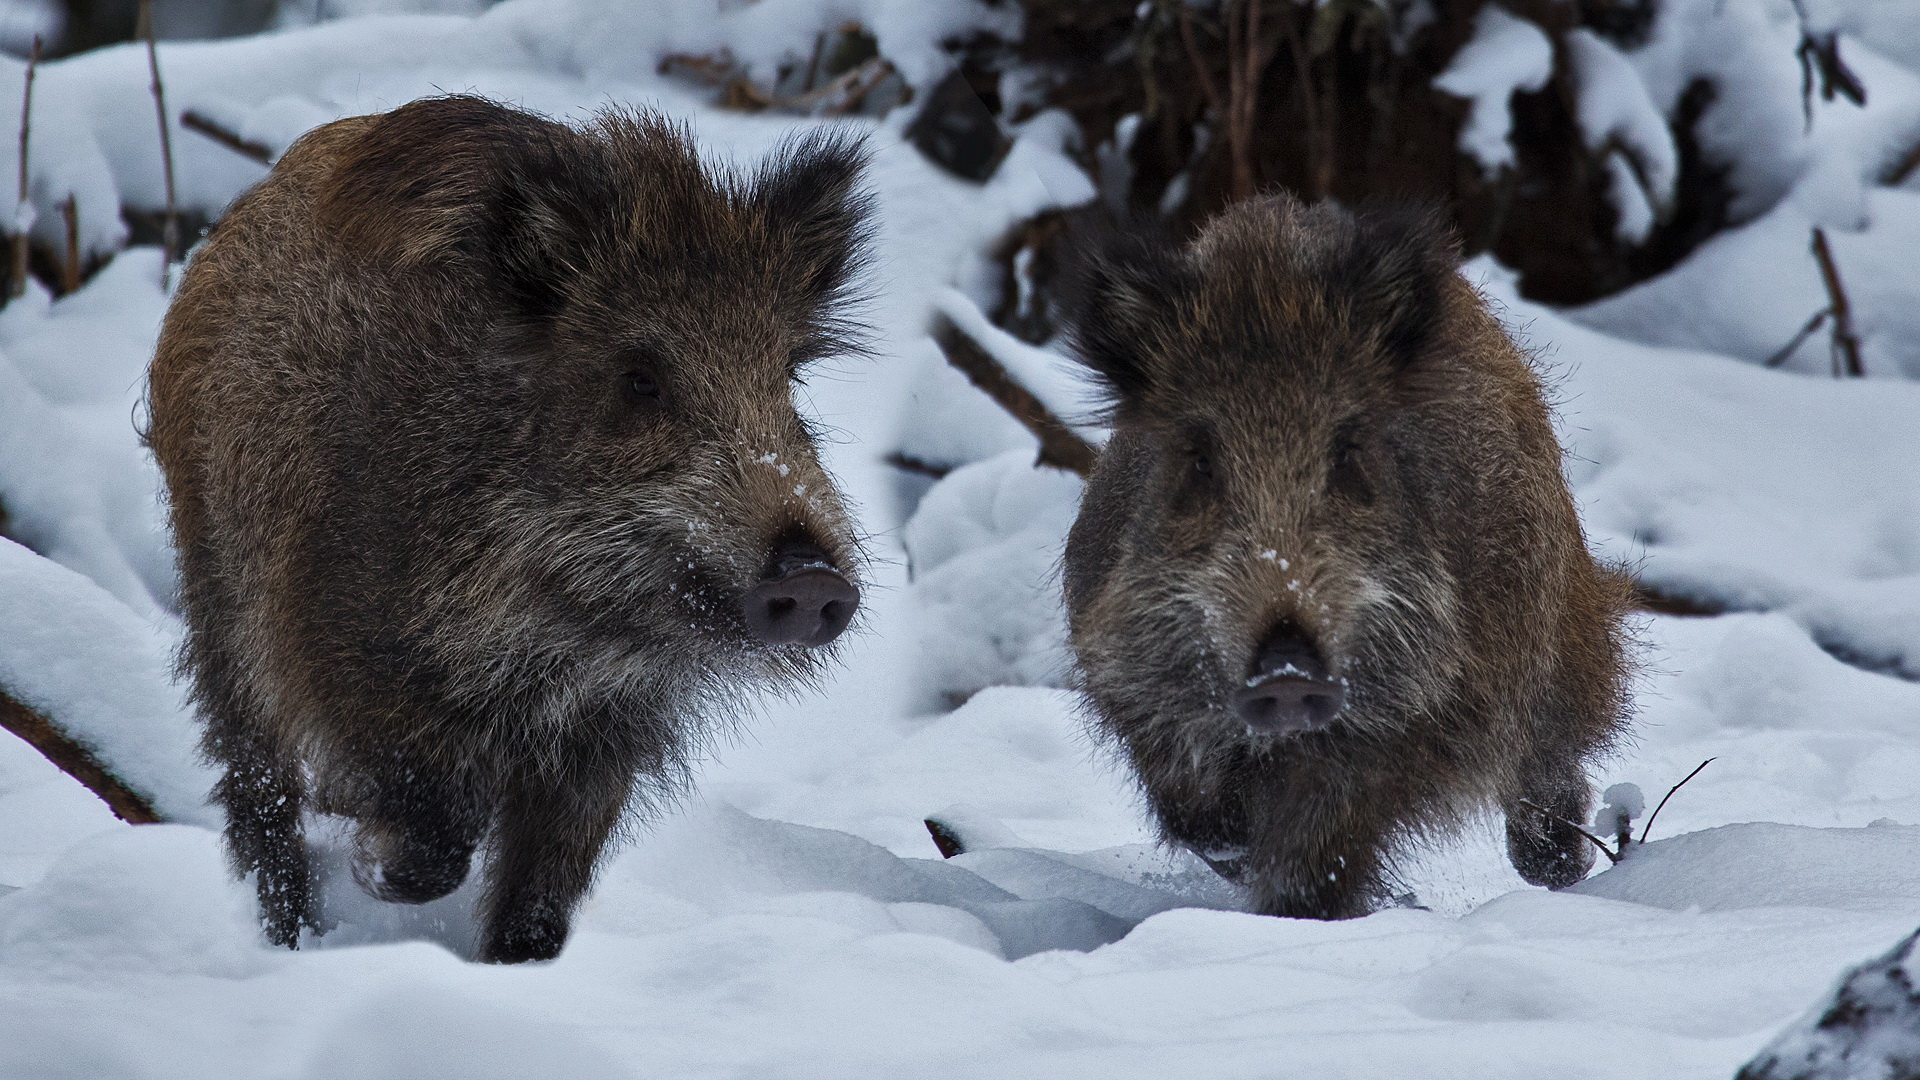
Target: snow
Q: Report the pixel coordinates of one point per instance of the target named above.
(793, 918)
(1506, 54)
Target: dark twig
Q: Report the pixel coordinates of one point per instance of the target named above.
(76, 761)
(909, 464)
(1205, 77)
(1060, 448)
(1897, 174)
(1846, 345)
(212, 129)
(945, 839)
(17, 283)
(1648, 827)
(70, 272)
(1787, 350)
(1612, 855)
(170, 235)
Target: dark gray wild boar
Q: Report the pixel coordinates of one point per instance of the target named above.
(488, 486)
(1327, 589)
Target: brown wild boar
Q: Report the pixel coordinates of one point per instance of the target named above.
(488, 487)
(1327, 590)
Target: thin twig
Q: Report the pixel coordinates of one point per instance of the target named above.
(76, 761)
(1060, 448)
(70, 273)
(1846, 345)
(1648, 827)
(17, 283)
(212, 129)
(1611, 855)
(1207, 86)
(1787, 350)
(170, 235)
(1897, 173)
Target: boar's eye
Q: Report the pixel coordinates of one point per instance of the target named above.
(642, 386)
(1349, 477)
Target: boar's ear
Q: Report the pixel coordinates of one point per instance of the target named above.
(1403, 258)
(816, 213)
(462, 181)
(1122, 282)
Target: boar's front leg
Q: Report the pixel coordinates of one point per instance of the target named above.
(263, 796)
(550, 829)
(1543, 838)
(1318, 839)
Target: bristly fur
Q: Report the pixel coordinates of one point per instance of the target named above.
(1317, 425)
(443, 571)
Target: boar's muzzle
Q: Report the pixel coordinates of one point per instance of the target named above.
(1289, 689)
(801, 600)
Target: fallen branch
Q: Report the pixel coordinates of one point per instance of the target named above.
(1897, 174)
(76, 761)
(1846, 345)
(170, 236)
(1060, 448)
(22, 216)
(212, 129)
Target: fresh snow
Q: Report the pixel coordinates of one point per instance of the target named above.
(793, 918)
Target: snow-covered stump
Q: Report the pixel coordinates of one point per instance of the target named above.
(1868, 1030)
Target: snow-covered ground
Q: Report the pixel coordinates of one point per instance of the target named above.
(794, 919)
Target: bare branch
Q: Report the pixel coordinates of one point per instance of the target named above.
(1846, 344)
(212, 129)
(1786, 350)
(1060, 448)
(170, 236)
(76, 761)
(1200, 72)
(1648, 827)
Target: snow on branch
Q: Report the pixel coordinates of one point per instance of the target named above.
(1505, 56)
(1621, 125)
(76, 760)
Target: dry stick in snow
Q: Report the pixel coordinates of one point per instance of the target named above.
(1648, 827)
(212, 129)
(1846, 345)
(76, 761)
(170, 237)
(1060, 448)
(17, 283)
(1903, 168)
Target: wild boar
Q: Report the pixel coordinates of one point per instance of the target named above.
(1327, 590)
(489, 490)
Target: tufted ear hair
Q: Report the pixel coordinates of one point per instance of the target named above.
(1124, 282)
(1398, 270)
(815, 212)
(466, 182)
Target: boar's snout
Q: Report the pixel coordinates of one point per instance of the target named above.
(1289, 689)
(801, 600)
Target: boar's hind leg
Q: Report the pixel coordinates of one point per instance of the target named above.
(547, 838)
(263, 796)
(1542, 840)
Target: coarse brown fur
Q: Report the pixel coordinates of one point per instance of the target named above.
(1319, 429)
(477, 428)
